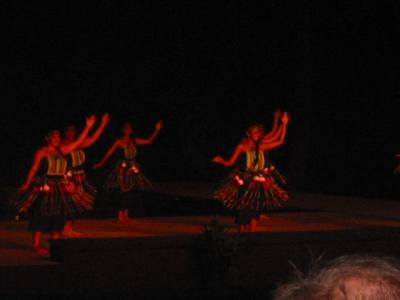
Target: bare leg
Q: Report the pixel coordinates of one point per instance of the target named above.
(265, 216)
(120, 216)
(69, 230)
(248, 228)
(126, 214)
(253, 225)
(37, 235)
(36, 238)
(244, 228)
(55, 235)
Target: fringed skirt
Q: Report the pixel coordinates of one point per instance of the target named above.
(79, 177)
(278, 177)
(255, 191)
(51, 200)
(126, 177)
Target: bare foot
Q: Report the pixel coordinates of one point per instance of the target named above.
(265, 217)
(56, 235)
(71, 234)
(76, 234)
(41, 251)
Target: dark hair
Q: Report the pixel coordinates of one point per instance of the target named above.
(49, 134)
(127, 124)
(255, 126)
(346, 277)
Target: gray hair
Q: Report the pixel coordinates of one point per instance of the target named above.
(352, 277)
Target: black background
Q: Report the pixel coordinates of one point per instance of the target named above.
(209, 69)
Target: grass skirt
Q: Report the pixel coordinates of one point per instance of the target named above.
(256, 191)
(126, 177)
(79, 177)
(51, 201)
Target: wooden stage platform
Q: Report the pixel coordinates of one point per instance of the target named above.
(15, 240)
(154, 255)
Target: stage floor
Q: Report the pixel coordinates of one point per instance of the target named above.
(15, 240)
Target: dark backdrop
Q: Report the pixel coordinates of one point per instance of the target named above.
(209, 69)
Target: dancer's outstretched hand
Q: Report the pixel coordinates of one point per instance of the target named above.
(23, 188)
(277, 114)
(90, 121)
(159, 125)
(285, 118)
(218, 159)
(105, 119)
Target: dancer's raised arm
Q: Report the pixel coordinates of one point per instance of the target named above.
(232, 160)
(39, 155)
(96, 135)
(266, 146)
(150, 139)
(68, 148)
(274, 132)
(108, 154)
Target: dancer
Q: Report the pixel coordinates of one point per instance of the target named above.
(51, 197)
(127, 176)
(76, 160)
(251, 187)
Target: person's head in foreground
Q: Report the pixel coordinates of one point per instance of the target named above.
(348, 277)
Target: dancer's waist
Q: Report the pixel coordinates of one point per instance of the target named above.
(77, 170)
(128, 162)
(58, 176)
(266, 170)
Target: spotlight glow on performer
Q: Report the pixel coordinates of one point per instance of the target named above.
(127, 177)
(252, 188)
(76, 161)
(50, 196)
